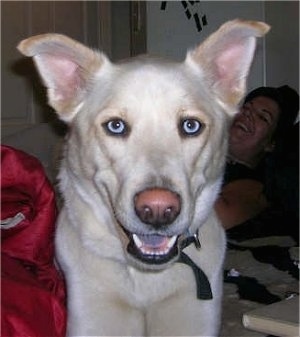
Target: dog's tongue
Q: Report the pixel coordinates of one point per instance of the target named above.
(154, 242)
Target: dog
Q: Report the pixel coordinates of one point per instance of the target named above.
(137, 237)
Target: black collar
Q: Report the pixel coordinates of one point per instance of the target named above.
(203, 286)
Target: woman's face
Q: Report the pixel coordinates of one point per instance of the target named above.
(254, 125)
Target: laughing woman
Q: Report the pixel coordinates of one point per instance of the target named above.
(261, 176)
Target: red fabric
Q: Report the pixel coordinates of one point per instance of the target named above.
(32, 290)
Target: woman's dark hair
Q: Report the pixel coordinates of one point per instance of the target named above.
(288, 102)
(281, 168)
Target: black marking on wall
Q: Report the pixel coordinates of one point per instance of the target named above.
(191, 10)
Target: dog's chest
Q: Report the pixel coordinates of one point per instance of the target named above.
(147, 288)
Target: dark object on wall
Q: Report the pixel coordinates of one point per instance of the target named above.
(189, 10)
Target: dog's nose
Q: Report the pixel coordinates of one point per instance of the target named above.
(157, 206)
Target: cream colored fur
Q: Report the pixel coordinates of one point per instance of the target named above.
(110, 292)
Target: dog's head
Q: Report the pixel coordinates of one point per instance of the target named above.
(147, 137)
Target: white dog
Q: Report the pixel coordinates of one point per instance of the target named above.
(138, 238)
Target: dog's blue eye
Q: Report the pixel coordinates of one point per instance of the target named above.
(191, 127)
(116, 127)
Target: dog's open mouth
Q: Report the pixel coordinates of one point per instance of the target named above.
(152, 248)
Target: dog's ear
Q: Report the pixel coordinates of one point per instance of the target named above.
(225, 57)
(66, 67)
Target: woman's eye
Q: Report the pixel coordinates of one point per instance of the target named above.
(116, 127)
(191, 127)
(264, 118)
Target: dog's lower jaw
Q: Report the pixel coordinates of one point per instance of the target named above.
(155, 252)
(149, 251)
(153, 261)
(147, 266)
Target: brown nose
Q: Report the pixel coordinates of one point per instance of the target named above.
(157, 206)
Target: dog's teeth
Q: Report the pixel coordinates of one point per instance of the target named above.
(171, 242)
(137, 241)
(153, 253)
(144, 248)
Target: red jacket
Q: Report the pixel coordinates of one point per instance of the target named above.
(32, 290)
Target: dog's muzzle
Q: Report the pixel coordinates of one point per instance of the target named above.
(176, 251)
(157, 208)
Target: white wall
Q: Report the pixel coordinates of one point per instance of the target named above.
(282, 43)
(170, 33)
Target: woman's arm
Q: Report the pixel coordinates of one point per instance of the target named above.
(239, 201)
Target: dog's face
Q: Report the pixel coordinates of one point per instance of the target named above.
(147, 137)
(152, 150)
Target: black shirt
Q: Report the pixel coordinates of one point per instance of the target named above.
(235, 171)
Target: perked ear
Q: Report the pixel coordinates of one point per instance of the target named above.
(66, 67)
(225, 58)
